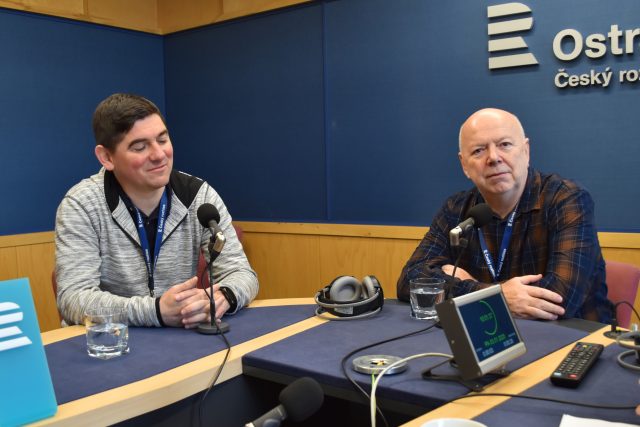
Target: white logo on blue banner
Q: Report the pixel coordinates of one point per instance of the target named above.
(25, 381)
(10, 336)
(510, 26)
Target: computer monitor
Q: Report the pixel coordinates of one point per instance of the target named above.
(481, 332)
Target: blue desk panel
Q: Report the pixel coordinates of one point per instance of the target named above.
(155, 350)
(606, 384)
(318, 352)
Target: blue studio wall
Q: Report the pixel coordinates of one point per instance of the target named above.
(341, 111)
(245, 110)
(53, 73)
(349, 111)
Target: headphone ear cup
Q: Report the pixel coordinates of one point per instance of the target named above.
(369, 286)
(345, 288)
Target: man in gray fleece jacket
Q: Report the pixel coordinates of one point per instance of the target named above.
(129, 235)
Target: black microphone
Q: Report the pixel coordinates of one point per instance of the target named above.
(209, 217)
(298, 401)
(478, 216)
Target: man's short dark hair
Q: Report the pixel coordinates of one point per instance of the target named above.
(116, 115)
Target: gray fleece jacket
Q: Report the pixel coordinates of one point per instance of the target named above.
(99, 260)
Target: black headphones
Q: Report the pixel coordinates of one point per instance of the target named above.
(347, 298)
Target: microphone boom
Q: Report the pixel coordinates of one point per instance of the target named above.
(209, 217)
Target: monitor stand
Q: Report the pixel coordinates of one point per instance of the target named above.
(477, 384)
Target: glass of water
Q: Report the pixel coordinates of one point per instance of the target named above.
(425, 293)
(107, 332)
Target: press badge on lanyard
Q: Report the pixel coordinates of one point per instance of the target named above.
(144, 242)
(506, 238)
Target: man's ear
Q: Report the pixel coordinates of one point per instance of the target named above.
(462, 165)
(104, 157)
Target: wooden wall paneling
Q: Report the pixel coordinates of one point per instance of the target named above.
(343, 256)
(37, 262)
(362, 256)
(630, 256)
(392, 255)
(141, 15)
(8, 264)
(360, 250)
(151, 16)
(344, 230)
(287, 265)
(235, 8)
(291, 259)
(74, 9)
(176, 16)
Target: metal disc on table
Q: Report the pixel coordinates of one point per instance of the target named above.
(374, 364)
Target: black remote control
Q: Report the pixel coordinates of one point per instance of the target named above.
(575, 366)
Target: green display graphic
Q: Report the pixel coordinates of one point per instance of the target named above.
(491, 315)
(492, 326)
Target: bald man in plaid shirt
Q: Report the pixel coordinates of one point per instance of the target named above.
(541, 244)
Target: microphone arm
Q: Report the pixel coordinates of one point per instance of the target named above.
(454, 236)
(216, 243)
(463, 245)
(459, 230)
(478, 216)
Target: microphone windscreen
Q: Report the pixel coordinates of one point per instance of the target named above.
(206, 213)
(302, 398)
(481, 214)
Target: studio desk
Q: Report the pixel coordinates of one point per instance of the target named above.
(161, 380)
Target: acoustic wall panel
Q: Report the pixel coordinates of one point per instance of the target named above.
(53, 73)
(245, 108)
(338, 111)
(402, 77)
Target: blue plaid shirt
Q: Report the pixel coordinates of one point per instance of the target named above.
(553, 234)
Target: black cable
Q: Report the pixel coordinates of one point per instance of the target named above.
(226, 355)
(355, 384)
(548, 399)
(463, 245)
(215, 377)
(615, 308)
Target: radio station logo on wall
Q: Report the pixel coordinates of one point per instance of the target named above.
(507, 50)
(500, 44)
(615, 41)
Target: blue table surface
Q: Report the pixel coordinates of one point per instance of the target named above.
(154, 350)
(607, 383)
(318, 352)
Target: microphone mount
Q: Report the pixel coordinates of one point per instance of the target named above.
(216, 243)
(477, 217)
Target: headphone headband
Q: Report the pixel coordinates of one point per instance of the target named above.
(355, 307)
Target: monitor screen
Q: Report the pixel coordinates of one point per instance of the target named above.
(481, 332)
(489, 326)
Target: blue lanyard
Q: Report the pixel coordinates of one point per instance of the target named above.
(144, 242)
(506, 238)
